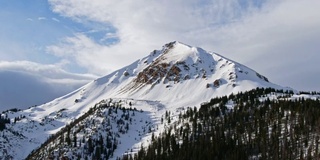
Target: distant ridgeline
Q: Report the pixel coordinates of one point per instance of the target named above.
(262, 124)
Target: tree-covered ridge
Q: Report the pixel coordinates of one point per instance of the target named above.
(256, 127)
(3, 122)
(94, 135)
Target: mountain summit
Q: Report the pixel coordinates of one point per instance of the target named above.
(180, 73)
(166, 80)
(177, 62)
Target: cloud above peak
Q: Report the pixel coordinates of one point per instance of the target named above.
(283, 32)
(142, 26)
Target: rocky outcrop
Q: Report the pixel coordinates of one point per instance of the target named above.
(216, 83)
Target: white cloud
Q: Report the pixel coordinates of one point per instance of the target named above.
(141, 27)
(24, 84)
(50, 71)
(274, 37)
(98, 59)
(42, 18)
(55, 19)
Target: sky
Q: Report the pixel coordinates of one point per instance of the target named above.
(50, 48)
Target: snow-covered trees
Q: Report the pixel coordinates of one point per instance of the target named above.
(256, 128)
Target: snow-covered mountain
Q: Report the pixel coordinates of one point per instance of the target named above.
(177, 75)
(170, 79)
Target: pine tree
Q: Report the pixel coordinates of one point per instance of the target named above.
(74, 140)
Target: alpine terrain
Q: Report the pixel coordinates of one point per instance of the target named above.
(120, 115)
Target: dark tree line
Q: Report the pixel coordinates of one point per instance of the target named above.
(3, 121)
(99, 143)
(256, 128)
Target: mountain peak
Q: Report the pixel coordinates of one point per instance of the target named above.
(177, 62)
(175, 43)
(177, 51)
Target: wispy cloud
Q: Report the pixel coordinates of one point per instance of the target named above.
(98, 59)
(49, 71)
(42, 18)
(55, 19)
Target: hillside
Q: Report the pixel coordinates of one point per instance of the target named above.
(258, 124)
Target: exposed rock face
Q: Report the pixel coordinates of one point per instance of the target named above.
(216, 83)
(162, 71)
(262, 77)
(152, 73)
(173, 66)
(126, 73)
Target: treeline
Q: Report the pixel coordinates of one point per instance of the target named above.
(91, 136)
(3, 121)
(255, 128)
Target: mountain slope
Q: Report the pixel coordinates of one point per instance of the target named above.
(166, 80)
(258, 124)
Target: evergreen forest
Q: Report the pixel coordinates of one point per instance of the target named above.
(262, 124)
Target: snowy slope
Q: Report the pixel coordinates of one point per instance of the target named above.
(176, 76)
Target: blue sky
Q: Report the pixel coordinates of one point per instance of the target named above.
(29, 26)
(57, 46)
